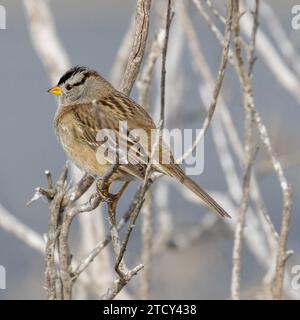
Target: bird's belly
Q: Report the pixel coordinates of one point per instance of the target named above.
(84, 157)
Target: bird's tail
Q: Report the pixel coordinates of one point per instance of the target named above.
(204, 196)
(176, 172)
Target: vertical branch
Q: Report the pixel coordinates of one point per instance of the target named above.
(175, 87)
(169, 18)
(51, 275)
(286, 190)
(85, 262)
(139, 45)
(280, 36)
(239, 232)
(272, 58)
(251, 52)
(144, 83)
(65, 255)
(131, 72)
(244, 78)
(55, 60)
(195, 48)
(144, 86)
(164, 219)
(147, 182)
(121, 59)
(147, 245)
(253, 234)
(282, 254)
(148, 221)
(232, 134)
(258, 240)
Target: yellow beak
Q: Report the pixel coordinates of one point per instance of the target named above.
(55, 90)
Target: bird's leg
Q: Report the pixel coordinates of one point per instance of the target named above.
(122, 190)
(118, 195)
(103, 190)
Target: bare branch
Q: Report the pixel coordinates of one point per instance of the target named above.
(249, 159)
(144, 82)
(118, 285)
(282, 254)
(147, 245)
(195, 48)
(282, 73)
(280, 36)
(138, 47)
(239, 231)
(234, 140)
(255, 239)
(51, 276)
(286, 191)
(84, 263)
(169, 18)
(252, 45)
(121, 59)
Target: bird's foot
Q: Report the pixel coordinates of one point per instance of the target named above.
(103, 191)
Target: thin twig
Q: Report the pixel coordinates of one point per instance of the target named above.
(121, 59)
(282, 254)
(147, 182)
(144, 82)
(254, 236)
(40, 19)
(84, 263)
(228, 167)
(271, 234)
(249, 160)
(239, 231)
(118, 285)
(51, 276)
(195, 48)
(233, 138)
(280, 36)
(169, 18)
(64, 250)
(147, 245)
(272, 58)
(286, 189)
(251, 58)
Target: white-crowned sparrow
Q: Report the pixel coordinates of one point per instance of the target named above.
(82, 91)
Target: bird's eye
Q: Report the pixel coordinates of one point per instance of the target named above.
(68, 87)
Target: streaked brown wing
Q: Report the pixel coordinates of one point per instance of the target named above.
(86, 131)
